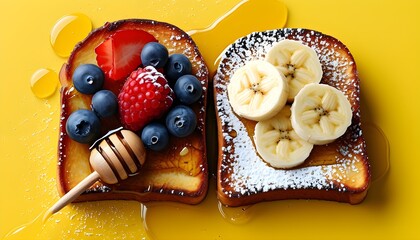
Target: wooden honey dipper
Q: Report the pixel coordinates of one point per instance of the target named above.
(119, 154)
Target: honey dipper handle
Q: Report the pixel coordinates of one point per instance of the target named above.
(74, 193)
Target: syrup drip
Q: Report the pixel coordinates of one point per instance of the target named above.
(260, 16)
(68, 31)
(44, 83)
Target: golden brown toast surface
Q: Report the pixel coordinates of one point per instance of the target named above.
(166, 175)
(338, 171)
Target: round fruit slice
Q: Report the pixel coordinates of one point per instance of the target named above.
(257, 91)
(320, 113)
(298, 62)
(278, 144)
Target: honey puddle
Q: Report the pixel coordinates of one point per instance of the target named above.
(212, 40)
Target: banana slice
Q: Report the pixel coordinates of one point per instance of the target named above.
(320, 113)
(298, 62)
(257, 91)
(278, 144)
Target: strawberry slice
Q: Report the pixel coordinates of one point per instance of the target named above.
(119, 54)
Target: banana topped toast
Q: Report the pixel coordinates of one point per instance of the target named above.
(177, 173)
(336, 170)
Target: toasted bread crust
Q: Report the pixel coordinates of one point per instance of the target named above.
(166, 175)
(338, 171)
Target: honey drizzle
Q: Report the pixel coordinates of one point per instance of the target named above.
(260, 15)
(27, 229)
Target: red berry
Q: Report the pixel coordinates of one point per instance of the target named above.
(119, 54)
(145, 96)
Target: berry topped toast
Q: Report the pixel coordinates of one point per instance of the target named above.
(264, 156)
(142, 94)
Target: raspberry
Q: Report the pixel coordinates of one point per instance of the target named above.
(145, 96)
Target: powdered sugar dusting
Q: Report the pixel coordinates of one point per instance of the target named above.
(242, 171)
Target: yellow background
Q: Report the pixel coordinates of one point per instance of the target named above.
(384, 39)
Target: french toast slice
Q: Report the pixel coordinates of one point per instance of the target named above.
(338, 171)
(167, 175)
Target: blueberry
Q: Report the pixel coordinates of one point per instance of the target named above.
(177, 66)
(155, 136)
(154, 54)
(188, 89)
(83, 126)
(88, 78)
(104, 103)
(181, 121)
